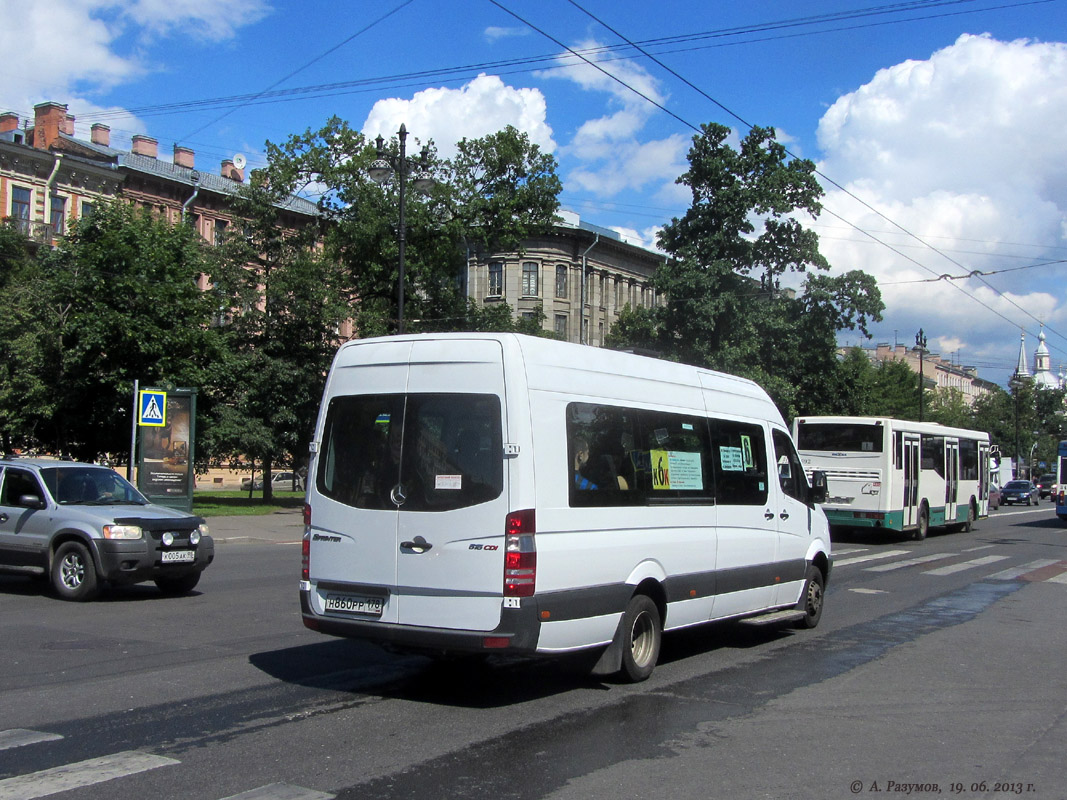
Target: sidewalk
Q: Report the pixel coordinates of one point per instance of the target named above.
(281, 527)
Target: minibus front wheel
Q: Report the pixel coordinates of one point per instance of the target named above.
(642, 634)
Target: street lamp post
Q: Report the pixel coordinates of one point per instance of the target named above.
(381, 172)
(1016, 383)
(920, 342)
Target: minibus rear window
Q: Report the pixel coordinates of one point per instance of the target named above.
(419, 452)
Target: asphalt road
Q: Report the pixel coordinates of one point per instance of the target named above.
(938, 668)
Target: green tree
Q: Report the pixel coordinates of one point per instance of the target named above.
(283, 303)
(497, 191)
(21, 389)
(117, 301)
(724, 307)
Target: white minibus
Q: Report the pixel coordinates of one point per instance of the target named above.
(497, 493)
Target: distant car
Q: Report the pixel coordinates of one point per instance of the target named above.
(279, 482)
(1044, 484)
(994, 497)
(83, 525)
(1019, 492)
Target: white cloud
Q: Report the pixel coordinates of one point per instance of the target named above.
(495, 33)
(67, 49)
(610, 149)
(202, 19)
(483, 106)
(963, 150)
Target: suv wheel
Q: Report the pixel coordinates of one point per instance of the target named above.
(73, 572)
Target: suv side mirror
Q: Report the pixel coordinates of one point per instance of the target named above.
(819, 489)
(31, 501)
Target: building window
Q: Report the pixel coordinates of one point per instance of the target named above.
(59, 214)
(20, 208)
(220, 231)
(601, 299)
(561, 280)
(529, 279)
(561, 325)
(496, 279)
(86, 208)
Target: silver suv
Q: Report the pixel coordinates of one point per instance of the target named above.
(83, 524)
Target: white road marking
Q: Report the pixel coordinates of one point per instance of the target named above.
(19, 737)
(280, 791)
(911, 562)
(1061, 578)
(1015, 572)
(76, 776)
(872, 557)
(978, 562)
(869, 591)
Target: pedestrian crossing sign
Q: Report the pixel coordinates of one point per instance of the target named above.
(153, 406)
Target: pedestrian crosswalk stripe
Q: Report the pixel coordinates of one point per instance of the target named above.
(20, 737)
(911, 562)
(281, 791)
(872, 557)
(76, 776)
(1017, 572)
(1061, 578)
(978, 562)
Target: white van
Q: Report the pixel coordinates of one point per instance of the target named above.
(504, 493)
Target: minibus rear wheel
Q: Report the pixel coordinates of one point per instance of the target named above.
(642, 634)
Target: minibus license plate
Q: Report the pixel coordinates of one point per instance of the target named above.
(178, 556)
(355, 604)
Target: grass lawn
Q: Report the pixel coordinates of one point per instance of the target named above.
(228, 504)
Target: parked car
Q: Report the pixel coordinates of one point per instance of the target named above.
(279, 482)
(994, 497)
(82, 525)
(1044, 484)
(1019, 492)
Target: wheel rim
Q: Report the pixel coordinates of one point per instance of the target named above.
(643, 639)
(72, 571)
(814, 598)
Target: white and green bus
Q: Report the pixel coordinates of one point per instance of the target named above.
(896, 474)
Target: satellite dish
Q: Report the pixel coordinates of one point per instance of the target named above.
(239, 161)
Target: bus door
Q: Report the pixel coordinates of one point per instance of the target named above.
(952, 478)
(911, 444)
(983, 478)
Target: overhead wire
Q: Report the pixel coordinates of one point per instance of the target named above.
(822, 175)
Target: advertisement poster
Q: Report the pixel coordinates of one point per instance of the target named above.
(165, 473)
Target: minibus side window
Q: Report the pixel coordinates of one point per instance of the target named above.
(739, 453)
(790, 471)
(627, 457)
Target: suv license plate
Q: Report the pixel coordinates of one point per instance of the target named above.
(178, 556)
(355, 604)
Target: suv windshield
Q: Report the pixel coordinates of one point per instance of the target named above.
(90, 486)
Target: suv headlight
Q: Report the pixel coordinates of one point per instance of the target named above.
(122, 532)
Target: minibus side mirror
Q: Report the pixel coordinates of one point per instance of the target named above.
(819, 489)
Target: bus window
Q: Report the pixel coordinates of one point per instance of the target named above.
(848, 437)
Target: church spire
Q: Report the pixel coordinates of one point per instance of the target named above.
(1022, 370)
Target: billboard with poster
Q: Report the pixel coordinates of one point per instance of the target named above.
(165, 462)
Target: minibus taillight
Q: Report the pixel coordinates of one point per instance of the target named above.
(305, 546)
(520, 554)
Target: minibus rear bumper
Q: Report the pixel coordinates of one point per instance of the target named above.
(517, 632)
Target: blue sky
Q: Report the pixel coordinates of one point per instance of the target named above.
(942, 121)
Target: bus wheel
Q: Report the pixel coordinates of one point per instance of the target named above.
(969, 524)
(642, 632)
(811, 601)
(924, 523)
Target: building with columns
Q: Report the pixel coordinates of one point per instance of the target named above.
(938, 373)
(579, 275)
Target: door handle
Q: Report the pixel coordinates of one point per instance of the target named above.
(419, 545)
(768, 514)
(784, 515)
(3, 517)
